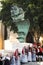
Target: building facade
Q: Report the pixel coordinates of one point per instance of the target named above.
(1, 35)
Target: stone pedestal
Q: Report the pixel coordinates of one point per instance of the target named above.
(23, 28)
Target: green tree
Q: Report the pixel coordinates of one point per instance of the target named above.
(6, 16)
(33, 11)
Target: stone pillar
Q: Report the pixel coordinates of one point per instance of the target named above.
(1, 35)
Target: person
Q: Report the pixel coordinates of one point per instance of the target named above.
(12, 61)
(24, 56)
(42, 52)
(33, 54)
(30, 54)
(7, 60)
(35, 44)
(17, 57)
(1, 59)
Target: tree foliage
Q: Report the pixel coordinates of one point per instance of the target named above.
(33, 11)
(6, 16)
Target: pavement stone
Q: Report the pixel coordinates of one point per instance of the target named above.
(33, 63)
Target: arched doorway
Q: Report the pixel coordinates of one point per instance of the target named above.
(29, 37)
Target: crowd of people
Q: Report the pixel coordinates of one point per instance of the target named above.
(28, 54)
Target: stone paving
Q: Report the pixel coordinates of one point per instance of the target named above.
(33, 63)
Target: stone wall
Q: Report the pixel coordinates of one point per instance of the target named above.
(1, 35)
